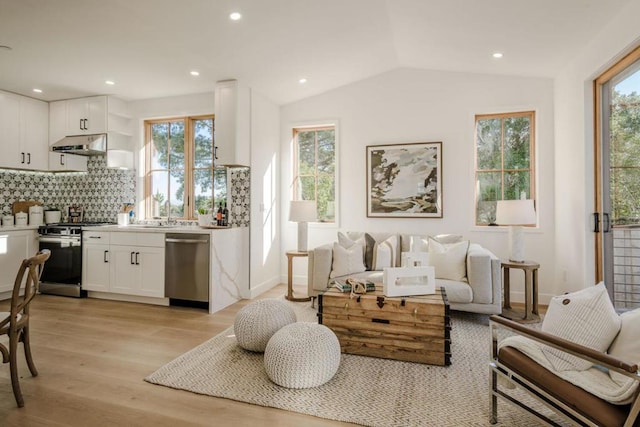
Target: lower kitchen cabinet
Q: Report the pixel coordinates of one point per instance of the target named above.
(15, 246)
(124, 263)
(137, 270)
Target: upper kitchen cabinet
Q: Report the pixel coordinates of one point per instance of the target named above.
(232, 124)
(95, 115)
(86, 116)
(23, 132)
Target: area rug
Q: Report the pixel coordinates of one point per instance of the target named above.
(365, 391)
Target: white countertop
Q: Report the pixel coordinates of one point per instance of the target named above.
(18, 228)
(155, 229)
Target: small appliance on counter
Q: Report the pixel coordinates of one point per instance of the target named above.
(76, 214)
(36, 215)
(52, 216)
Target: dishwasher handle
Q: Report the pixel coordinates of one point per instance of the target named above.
(170, 240)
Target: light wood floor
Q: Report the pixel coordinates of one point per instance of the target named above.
(92, 356)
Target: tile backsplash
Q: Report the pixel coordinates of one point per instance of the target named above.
(240, 191)
(100, 191)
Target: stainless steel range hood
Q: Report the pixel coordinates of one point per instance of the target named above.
(85, 145)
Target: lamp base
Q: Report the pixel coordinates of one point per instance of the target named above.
(302, 236)
(516, 244)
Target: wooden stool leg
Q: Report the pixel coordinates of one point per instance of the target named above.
(27, 351)
(13, 366)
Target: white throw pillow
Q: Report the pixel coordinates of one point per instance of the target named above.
(351, 238)
(447, 239)
(626, 345)
(449, 261)
(381, 253)
(346, 260)
(585, 317)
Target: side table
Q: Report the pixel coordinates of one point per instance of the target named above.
(530, 269)
(290, 256)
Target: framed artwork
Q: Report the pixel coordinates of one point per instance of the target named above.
(404, 180)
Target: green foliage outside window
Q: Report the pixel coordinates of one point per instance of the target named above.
(314, 169)
(625, 158)
(504, 164)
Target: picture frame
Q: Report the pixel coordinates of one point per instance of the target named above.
(404, 180)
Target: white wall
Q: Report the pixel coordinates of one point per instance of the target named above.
(409, 105)
(265, 171)
(574, 175)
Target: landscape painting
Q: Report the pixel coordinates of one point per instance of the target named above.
(404, 180)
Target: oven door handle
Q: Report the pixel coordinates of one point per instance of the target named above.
(64, 241)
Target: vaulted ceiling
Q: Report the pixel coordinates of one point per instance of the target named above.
(69, 48)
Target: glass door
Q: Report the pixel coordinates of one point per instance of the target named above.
(617, 219)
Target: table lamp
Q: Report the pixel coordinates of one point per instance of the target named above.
(515, 213)
(302, 212)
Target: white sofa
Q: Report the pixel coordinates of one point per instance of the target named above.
(477, 290)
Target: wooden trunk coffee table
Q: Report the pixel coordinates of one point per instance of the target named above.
(412, 329)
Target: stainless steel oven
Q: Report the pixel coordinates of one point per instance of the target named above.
(62, 273)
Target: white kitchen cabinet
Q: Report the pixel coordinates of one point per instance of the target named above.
(96, 261)
(232, 124)
(86, 116)
(15, 246)
(124, 263)
(137, 270)
(64, 162)
(24, 124)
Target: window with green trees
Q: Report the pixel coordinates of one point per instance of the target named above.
(504, 145)
(180, 178)
(314, 168)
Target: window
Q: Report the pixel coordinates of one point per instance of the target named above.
(504, 161)
(179, 169)
(315, 168)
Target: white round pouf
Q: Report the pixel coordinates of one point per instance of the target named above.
(302, 355)
(255, 323)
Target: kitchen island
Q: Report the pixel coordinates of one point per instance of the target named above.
(128, 263)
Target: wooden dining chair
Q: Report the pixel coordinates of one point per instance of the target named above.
(15, 323)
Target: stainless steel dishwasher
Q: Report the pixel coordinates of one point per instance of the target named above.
(186, 269)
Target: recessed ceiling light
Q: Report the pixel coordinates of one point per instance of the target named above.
(497, 55)
(194, 73)
(109, 82)
(302, 81)
(235, 16)
(36, 90)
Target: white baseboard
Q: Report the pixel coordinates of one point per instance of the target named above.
(128, 298)
(263, 287)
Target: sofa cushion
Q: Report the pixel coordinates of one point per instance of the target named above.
(585, 317)
(626, 345)
(457, 292)
(419, 243)
(381, 251)
(449, 261)
(346, 260)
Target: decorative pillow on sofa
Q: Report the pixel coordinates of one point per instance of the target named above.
(381, 251)
(346, 260)
(449, 261)
(350, 238)
(585, 317)
(418, 243)
(626, 345)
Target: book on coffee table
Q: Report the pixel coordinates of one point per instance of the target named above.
(343, 285)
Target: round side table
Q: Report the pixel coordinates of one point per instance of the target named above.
(290, 256)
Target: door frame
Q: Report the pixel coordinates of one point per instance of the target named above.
(598, 84)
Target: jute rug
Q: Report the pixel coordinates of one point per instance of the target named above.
(366, 391)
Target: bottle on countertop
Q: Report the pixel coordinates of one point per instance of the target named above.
(225, 215)
(219, 214)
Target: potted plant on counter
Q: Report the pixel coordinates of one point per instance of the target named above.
(205, 219)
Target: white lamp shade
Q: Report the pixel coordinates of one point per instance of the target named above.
(302, 211)
(515, 212)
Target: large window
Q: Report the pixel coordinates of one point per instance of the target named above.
(315, 168)
(179, 172)
(504, 161)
